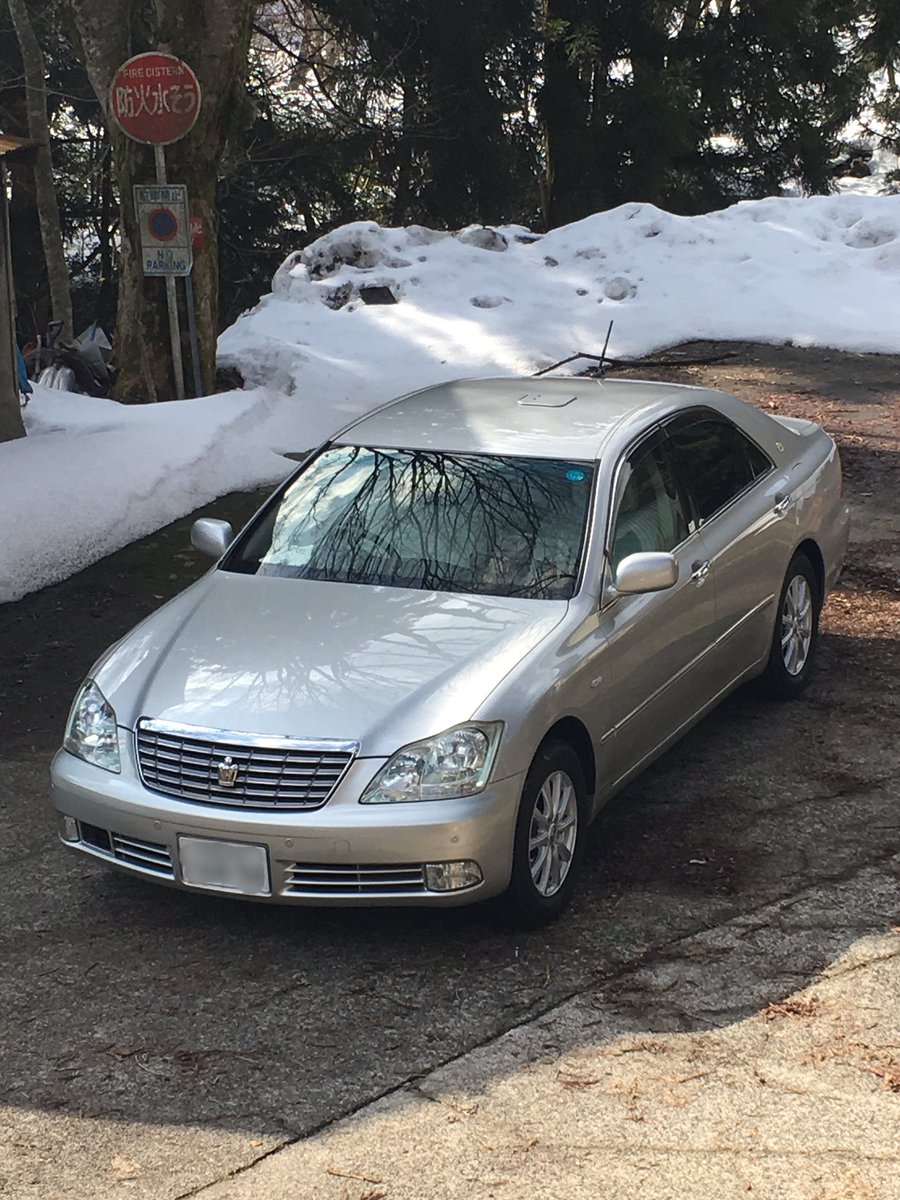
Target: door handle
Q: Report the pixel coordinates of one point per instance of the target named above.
(782, 504)
(699, 571)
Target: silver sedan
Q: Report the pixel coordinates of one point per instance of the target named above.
(464, 623)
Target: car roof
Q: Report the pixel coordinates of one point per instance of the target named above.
(559, 417)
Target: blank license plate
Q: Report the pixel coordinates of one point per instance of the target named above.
(227, 866)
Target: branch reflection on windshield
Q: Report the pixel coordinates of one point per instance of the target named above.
(425, 519)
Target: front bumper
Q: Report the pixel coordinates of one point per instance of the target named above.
(344, 853)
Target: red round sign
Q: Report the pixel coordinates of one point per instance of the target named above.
(155, 98)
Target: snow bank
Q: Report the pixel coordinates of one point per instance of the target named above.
(817, 271)
(95, 475)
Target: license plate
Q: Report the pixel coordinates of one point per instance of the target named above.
(225, 866)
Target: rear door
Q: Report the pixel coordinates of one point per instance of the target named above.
(740, 502)
(658, 644)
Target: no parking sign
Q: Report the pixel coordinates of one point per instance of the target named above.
(165, 227)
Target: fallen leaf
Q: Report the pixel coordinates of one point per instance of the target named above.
(789, 1008)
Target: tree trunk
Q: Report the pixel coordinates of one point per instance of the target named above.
(105, 231)
(10, 412)
(694, 10)
(564, 108)
(39, 132)
(213, 38)
(403, 185)
(652, 147)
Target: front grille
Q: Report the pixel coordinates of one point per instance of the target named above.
(316, 879)
(267, 772)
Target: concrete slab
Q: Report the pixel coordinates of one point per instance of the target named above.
(650, 1088)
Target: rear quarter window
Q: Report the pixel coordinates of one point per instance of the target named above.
(715, 460)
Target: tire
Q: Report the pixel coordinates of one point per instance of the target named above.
(796, 634)
(555, 780)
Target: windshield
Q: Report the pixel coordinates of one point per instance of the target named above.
(425, 519)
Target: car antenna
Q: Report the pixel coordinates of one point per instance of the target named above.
(601, 370)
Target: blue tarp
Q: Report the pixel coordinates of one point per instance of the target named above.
(24, 385)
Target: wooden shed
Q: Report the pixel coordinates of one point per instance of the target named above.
(12, 149)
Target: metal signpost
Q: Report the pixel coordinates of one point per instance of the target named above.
(155, 98)
(165, 229)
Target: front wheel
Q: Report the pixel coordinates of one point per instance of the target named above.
(796, 634)
(549, 838)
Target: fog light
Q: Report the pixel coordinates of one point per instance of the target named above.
(68, 829)
(452, 876)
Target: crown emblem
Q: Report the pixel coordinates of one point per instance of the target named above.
(228, 772)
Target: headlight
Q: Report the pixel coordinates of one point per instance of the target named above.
(455, 763)
(91, 731)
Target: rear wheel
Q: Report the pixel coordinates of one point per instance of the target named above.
(796, 635)
(549, 837)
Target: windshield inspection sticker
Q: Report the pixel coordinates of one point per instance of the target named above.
(574, 476)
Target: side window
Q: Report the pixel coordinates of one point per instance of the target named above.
(650, 514)
(715, 459)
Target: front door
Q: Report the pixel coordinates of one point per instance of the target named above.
(657, 644)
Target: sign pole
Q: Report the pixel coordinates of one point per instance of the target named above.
(159, 154)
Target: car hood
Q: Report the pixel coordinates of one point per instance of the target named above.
(268, 655)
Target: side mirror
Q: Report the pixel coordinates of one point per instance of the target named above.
(211, 537)
(649, 572)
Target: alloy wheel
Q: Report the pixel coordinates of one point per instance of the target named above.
(796, 625)
(553, 832)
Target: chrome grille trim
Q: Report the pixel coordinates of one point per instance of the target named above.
(360, 879)
(273, 772)
(148, 856)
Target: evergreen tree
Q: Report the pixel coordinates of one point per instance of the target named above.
(694, 106)
(442, 112)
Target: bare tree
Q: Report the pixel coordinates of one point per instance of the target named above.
(39, 133)
(213, 37)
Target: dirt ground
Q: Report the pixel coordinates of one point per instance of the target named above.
(161, 1045)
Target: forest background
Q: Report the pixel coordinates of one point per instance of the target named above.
(437, 112)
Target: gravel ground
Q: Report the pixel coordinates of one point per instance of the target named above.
(161, 1045)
